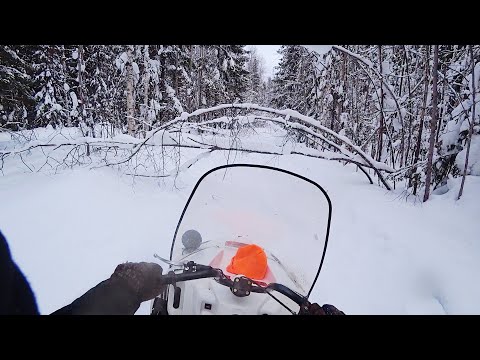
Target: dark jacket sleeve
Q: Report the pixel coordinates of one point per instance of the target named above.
(16, 296)
(113, 296)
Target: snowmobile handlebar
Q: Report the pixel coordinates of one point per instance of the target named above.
(240, 286)
(172, 278)
(294, 296)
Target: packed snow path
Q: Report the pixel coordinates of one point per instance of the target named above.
(385, 255)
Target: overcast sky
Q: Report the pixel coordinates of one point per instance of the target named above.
(270, 55)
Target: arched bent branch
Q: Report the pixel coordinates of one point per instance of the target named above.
(288, 116)
(303, 128)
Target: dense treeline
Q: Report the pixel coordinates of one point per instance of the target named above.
(408, 106)
(411, 107)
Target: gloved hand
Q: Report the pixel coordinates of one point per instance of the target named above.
(144, 278)
(121, 294)
(327, 309)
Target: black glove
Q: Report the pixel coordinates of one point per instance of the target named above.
(327, 309)
(144, 278)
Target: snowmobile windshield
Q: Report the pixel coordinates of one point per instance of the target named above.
(283, 213)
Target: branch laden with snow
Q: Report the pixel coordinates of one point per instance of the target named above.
(226, 133)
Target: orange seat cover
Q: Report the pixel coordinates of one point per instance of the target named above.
(250, 260)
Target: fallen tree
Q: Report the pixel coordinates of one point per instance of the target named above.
(229, 129)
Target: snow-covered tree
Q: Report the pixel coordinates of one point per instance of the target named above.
(256, 91)
(233, 59)
(381, 98)
(17, 104)
(51, 75)
(102, 94)
(294, 80)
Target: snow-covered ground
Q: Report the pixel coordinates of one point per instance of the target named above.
(385, 255)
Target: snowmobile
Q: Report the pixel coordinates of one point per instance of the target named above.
(251, 240)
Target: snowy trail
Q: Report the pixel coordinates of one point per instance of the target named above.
(385, 256)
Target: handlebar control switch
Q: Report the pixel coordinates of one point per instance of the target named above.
(190, 267)
(242, 286)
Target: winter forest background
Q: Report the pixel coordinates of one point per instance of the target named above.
(408, 107)
(403, 119)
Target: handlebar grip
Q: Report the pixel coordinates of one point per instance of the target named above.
(293, 295)
(186, 276)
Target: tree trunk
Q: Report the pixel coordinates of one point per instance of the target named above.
(67, 95)
(470, 130)
(81, 104)
(146, 85)
(80, 81)
(176, 71)
(422, 115)
(380, 130)
(402, 143)
(410, 110)
(130, 93)
(433, 125)
(162, 82)
(441, 113)
(199, 78)
(332, 120)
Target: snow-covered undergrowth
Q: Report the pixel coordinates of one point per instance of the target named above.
(192, 131)
(385, 255)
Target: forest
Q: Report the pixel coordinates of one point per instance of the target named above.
(409, 110)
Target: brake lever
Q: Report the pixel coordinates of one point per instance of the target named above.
(171, 263)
